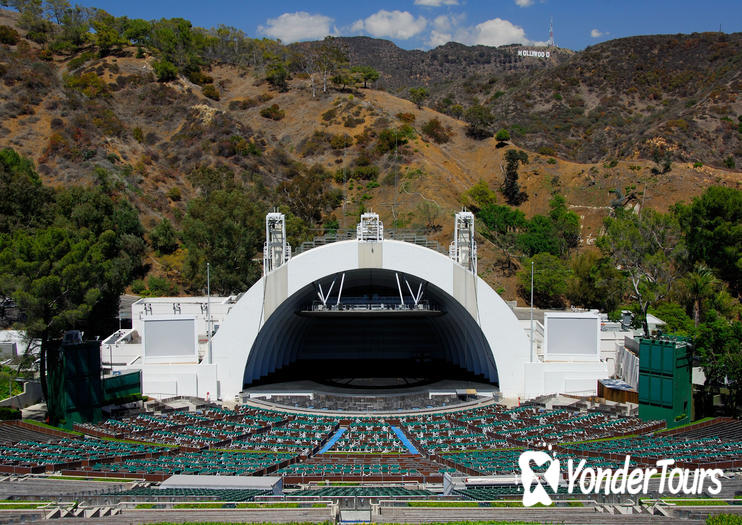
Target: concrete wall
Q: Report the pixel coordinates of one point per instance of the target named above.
(30, 396)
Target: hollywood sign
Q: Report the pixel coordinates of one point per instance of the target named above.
(533, 53)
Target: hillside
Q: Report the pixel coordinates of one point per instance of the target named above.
(613, 100)
(86, 119)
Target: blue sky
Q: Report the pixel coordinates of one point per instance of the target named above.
(422, 24)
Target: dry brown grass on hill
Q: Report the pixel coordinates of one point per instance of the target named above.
(179, 129)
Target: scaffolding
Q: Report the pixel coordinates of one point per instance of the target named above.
(463, 249)
(276, 250)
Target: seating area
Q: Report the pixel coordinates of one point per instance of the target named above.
(185, 494)
(486, 440)
(368, 436)
(65, 451)
(529, 425)
(726, 430)
(364, 467)
(438, 434)
(300, 435)
(214, 425)
(201, 463)
(487, 461)
(362, 491)
(699, 452)
(490, 493)
(10, 433)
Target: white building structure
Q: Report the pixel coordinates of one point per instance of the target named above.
(354, 303)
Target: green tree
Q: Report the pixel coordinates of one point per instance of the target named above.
(344, 78)
(699, 286)
(502, 225)
(566, 224)
(479, 119)
(502, 137)
(329, 57)
(107, 36)
(309, 195)
(510, 187)
(26, 201)
(223, 228)
(418, 96)
(647, 248)
(479, 196)
(277, 75)
(550, 277)
(595, 283)
(164, 237)
(367, 74)
(712, 224)
(718, 344)
(539, 236)
(675, 317)
(164, 70)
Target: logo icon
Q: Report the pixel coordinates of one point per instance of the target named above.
(533, 491)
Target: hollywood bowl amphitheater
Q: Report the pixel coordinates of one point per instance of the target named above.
(369, 378)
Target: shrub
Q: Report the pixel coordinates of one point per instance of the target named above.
(160, 286)
(89, 84)
(9, 36)
(164, 238)
(198, 77)
(407, 118)
(729, 162)
(315, 144)
(210, 91)
(436, 131)
(329, 115)
(138, 287)
(341, 141)
(366, 172)
(352, 122)
(138, 134)
(390, 139)
(502, 135)
(273, 112)
(174, 194)
(242, 104)
(165, 71)
(546, 150)
(9, 413)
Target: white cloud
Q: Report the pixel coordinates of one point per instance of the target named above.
(442, 23)
(499, 32)
(436, 3)
(524, 3)
(392, 24)
(292, 27)
(597, 33)
(438, 38)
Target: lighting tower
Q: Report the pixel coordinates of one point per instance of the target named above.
(463, 249)
(276, 249)
(370, 229)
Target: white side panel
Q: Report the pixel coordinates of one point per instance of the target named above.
(231, 344)
(571, 336)
(170, 340)
(507, 340)
(567, 378)
(167, 380)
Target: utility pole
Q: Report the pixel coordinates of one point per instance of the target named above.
(531, 311)
(208, 309)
